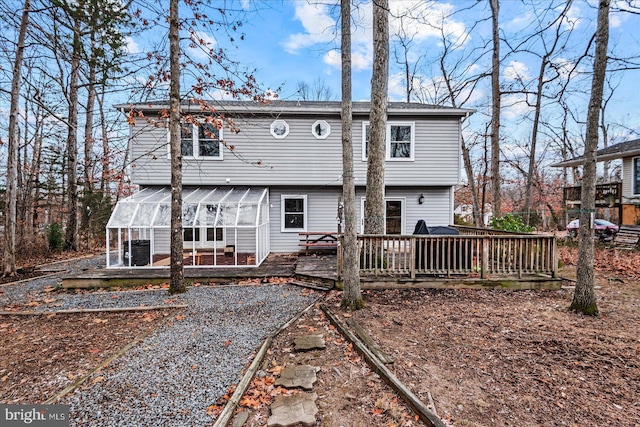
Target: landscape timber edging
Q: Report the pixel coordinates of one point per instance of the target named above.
(229, 408)
(407, 395)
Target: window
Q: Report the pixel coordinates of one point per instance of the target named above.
(208, 140)
(214, 235)
(400, 141)
(393, 215)
(202, 140)
(636, 175)
(294, 210)
(321, 129)
(279, 129)
(189, 235)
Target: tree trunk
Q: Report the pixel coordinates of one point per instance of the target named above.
(584, 299)
(71, 235)
(495, 112)
(176, 284)
(88, 148)
(9, 255)
(375, 205)
(351, 297)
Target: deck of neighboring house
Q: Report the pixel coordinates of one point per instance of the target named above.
(475, 259)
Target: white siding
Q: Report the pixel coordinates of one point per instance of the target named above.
(627, 177)
(260, 159)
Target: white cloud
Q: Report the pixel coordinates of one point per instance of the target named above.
(421, 20)
(516, 71)
(132, 46)
(201, 44)
(514, 106)
(319, 27)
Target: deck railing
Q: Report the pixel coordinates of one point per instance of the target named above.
(606, 194)
(481, 255)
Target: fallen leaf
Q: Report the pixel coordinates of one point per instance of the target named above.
(100, 320)
(49, 300)
(180, 317)
(227, 343)
(98, 379)
(94, 350)
(276, 370)
(5, 325)
(33, 304)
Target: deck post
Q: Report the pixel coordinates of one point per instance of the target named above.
(412, 259)
(485, 257)
(554, 259)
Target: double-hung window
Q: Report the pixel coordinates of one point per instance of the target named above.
(200, 140)
(294, 213)
(400, 142)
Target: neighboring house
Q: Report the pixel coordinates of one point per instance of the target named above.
(272, 171)
(628, 201)
(465, 212)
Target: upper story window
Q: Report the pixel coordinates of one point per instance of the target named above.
(279, 129)
(400, 142)
(201, 140)
(321, 129)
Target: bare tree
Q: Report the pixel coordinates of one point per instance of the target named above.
(375, 204)
(584, 300)
(351, 298)
(318, 91)
(495, 111)
(9, 257)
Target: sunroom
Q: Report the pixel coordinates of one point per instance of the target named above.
(222, 227)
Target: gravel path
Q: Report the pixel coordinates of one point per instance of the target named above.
(16, 293)
(186, 365)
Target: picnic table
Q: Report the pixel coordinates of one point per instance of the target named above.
(318, 240)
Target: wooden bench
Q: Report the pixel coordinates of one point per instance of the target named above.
(627, 237)
(318, 240)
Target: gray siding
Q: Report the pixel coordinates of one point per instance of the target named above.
(299, 158)
(322, 207)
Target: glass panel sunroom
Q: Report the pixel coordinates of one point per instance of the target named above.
(223, 227)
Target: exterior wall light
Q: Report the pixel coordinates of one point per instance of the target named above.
(421, 199)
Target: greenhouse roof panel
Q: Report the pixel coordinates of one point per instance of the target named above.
(202, 207)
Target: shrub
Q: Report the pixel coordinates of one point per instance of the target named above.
(510, 223)
(54, 237)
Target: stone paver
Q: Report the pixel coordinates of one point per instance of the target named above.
(309, 342)
(302, 376)
(240, 419)
(292, 410)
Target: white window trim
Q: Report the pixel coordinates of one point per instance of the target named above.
(305, 213)
(403, 219)
(388, 157)
(196, 145)
(275, 135)
(313, 127)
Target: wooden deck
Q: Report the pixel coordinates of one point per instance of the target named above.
(316, 268)
(276, 265)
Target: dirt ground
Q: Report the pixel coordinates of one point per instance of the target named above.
(488, 358)
(43, 354)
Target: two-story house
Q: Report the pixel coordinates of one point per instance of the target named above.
(259, 174)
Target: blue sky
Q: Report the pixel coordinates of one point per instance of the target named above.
(292, 41)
